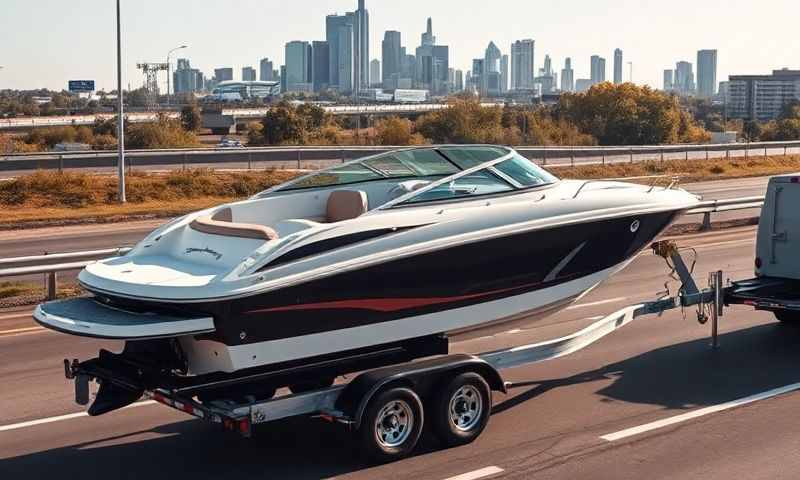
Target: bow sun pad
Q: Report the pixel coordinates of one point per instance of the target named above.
(88, 318)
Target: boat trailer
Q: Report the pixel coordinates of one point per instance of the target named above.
(381, 405)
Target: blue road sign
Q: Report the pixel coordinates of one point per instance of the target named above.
(81, 85)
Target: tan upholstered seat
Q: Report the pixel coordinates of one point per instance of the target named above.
(346, 205)
(222, 224)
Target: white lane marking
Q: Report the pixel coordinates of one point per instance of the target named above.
(482, 473)
(22, 330)
(61, 418)
(16, 315)
(594, 304)
(612, 437)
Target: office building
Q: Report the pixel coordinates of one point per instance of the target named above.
(333, 27)
(504, 73)
(223, 74)
(320, 70)
(186, 79)
(567, 77)
(298, 66)
(248, 74)
(458, 86)
(522, 64)
(361, 56)
(428, 38)
(346, 59)
(375, 73)
(669, 82)
(617, 66)
(761, 97)
(392, 54)
(683, 81)
(706, 73)
(267, 74)
(598, 69)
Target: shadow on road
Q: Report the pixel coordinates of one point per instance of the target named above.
(691, 374)
(677, 377)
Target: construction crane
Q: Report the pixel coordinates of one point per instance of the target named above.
(150, 71)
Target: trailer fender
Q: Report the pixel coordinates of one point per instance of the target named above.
(421, 377)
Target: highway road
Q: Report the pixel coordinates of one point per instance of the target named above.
(572, 419)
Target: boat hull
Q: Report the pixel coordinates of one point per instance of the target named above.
(472, 289)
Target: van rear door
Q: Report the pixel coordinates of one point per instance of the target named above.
(778, 247)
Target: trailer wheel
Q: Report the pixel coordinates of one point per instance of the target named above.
(788, 317)
(391, 425)
(462, 409)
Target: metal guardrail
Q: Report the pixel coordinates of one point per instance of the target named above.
(265, 156)
(21, 266)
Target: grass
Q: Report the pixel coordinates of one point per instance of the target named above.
(50, 198)
(14, 294)
(689, 170)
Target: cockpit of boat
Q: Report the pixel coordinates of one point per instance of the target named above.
(403, 178)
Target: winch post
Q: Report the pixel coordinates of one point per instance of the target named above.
(717, 310)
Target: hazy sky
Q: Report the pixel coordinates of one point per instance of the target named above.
(44, 43)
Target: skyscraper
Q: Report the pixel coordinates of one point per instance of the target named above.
(568, 77)
(548, 66)
(598, 68)
(320, 71)
(668, 80)
(346, 59)
(298, 66)
(333, 25)
(459, 81)
(266, 70)
(706, 73)
(522, 64)
(392, 53)
(248, 74)
(361, 47)
(187, 79)
(504, 73)
(375, 72)
(617, 66)
(683, 82)
(428, 38)
(223, 74)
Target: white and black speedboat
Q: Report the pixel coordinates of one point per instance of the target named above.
(380, 251)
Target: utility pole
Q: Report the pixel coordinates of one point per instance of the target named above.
(120, 113)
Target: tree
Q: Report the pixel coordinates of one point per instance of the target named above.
(466, 121)
(752, 131)
(282, 125)
(627, 114)
(396, 131)
(191, 118)
(163, 133)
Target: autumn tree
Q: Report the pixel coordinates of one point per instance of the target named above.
(191, 117)
(396, 131)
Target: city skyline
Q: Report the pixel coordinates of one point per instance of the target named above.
(63, 52)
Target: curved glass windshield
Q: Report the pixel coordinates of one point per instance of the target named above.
(525, 172)
(474, 184)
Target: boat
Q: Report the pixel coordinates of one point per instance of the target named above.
(398, 250)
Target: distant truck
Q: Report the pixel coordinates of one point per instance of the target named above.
(776, 287)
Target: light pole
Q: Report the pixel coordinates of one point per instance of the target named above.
(120, 116)
(169, 72)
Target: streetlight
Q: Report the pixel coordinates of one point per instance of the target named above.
(120, 116)
(169, 72)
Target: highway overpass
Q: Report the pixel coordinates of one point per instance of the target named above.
(227, 117)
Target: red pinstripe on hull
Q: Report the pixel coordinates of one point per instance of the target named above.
(386, 305)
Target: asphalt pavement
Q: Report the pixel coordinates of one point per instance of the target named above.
(556, 425)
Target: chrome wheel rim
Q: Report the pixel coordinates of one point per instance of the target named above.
(394, 423)
(466, 408)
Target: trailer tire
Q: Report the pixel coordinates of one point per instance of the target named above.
(392, 424)
(462, 410)
(789, 318)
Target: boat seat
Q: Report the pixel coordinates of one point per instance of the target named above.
(346, 205)
(221, 223)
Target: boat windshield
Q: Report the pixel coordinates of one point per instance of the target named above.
(450, 172)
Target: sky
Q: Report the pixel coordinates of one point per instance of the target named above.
(45, 43)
